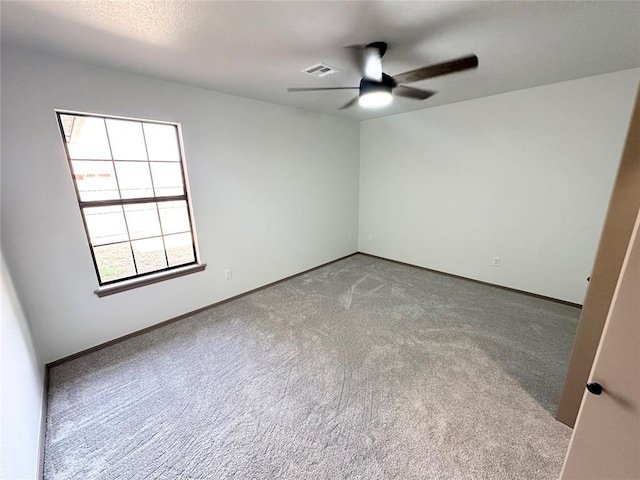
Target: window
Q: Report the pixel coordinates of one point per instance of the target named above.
(130, 183)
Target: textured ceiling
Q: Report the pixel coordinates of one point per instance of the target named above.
(257, 49)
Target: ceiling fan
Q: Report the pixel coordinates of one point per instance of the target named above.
(377, 88)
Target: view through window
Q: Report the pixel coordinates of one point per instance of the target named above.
(130, 183)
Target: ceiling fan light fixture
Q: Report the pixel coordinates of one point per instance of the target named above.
(375, 94)
(375, 99)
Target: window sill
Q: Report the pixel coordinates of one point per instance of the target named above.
(148, 280)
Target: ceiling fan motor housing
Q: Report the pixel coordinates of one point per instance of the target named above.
(370, 86)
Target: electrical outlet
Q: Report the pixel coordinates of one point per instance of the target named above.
(349, 237)
(496, 261)
(227, 274)
(370, 237)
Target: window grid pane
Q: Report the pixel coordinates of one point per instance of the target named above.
(134, 179)
(86, 137)
(174, 217)
(106, 225)
(126, 140)
(95, 180)
(167, 178)
(142, 220)
(150, 254)
(116, 163)
(180, 249)
(114, 262)
(162, 142)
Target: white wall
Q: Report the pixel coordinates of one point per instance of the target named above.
(21, 384)
(525, 176)
(274, 190)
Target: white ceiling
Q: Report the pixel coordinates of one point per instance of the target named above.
(257, 49)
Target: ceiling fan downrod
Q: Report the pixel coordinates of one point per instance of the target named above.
(373, 54)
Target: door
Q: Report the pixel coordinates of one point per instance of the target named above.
(606, 439)
(618, 226)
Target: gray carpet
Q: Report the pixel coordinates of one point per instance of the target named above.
(363, 369)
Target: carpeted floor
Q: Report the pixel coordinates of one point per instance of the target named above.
(363, 369)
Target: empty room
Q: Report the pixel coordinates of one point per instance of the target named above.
(320, 240)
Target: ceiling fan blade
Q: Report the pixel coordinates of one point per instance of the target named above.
(317, 89)
(444, 68)
(349, 103)
(410, 92)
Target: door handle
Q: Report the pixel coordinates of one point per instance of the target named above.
(594, 388)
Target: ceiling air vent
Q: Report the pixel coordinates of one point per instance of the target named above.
(320, 70)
